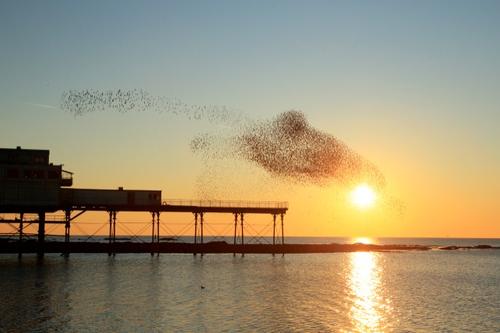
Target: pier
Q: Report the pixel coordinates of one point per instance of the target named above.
(31, 185)
(198, 208)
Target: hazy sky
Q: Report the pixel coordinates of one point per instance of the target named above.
(414, 86)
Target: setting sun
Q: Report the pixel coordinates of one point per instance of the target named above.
(363, 196)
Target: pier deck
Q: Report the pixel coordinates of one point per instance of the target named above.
(193, 206)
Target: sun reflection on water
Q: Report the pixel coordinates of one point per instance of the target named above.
(364, 283)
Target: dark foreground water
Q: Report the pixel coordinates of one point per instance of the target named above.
(432, 291)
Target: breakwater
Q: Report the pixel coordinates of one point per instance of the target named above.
(211, 247)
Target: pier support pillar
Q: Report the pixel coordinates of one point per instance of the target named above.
(195, 232)
(201, 233)
(67, 225)
(112, 233)
(152, 232)
(41, 234)
(274, 233)
(282, 233)
(235, 230)
(21, 235)
(157, 233)
(242, 236)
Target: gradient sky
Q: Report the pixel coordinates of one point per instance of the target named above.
(414, 86)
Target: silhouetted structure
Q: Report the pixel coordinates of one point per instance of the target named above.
(30, 184)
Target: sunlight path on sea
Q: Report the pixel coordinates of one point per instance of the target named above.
(369, 310)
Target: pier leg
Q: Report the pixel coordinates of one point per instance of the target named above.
(235, 229)
(67, 220)
(41, 234)
(201, 233)
(242, 237)
(282, 234)
(274, 232)
(21, 226)
(195, 232)
(152, 232)
(110, 236)
(157, 233)
(114, 232)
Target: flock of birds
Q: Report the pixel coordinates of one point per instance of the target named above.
(286, 146)
(80, 102)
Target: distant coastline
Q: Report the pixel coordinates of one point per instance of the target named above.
(127, 246)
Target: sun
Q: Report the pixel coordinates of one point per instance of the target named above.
(363, 196)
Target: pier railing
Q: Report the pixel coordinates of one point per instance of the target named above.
(225, 203)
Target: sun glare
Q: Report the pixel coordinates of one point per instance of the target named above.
(362, 240)
(363, 196)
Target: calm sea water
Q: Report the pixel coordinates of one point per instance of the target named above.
(432, 291)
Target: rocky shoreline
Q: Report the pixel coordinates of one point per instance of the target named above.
(216, 247)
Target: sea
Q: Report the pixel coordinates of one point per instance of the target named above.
(401, 291)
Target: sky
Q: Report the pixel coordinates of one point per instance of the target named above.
(412, 86)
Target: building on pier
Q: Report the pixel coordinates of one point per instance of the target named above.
(29, 182)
